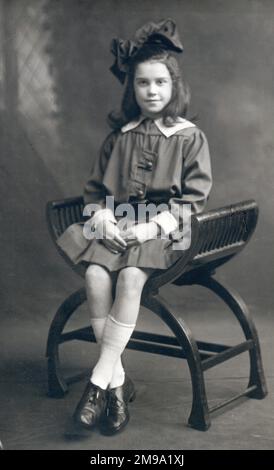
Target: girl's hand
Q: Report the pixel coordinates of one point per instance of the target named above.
(138, 234)
(111, 237)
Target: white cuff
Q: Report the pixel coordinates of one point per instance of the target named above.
(100, 216)
(166, 221)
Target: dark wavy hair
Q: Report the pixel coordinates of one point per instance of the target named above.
(180, 99)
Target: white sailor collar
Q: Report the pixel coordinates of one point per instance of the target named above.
(166, 131)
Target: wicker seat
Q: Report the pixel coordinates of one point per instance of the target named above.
(217, 236)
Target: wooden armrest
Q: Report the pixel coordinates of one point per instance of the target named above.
(217, 235)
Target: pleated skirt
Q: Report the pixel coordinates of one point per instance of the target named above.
(155, 254)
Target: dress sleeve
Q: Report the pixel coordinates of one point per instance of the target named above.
(196, 182)
(94, 189)
(196, 174)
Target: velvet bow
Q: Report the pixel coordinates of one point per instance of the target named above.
(164, 34)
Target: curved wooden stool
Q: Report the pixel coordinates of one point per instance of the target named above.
(217, 236)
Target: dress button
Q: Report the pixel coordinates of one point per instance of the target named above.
(149, 165)
(140, 193)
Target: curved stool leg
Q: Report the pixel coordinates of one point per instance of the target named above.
(199, 417)
(240, 310)
(57, 386)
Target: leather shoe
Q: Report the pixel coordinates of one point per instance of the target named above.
(91, 406)
(116, 415)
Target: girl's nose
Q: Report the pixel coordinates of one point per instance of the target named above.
(152, 89)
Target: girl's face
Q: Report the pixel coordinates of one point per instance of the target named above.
(153, 88)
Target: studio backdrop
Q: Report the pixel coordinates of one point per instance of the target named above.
(56, 90)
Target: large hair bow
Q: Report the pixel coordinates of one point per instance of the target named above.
(164, 34)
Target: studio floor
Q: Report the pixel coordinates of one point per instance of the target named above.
(158, 416)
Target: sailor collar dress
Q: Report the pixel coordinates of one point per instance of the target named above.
(144, 162)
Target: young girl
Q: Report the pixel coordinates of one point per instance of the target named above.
(154, 155)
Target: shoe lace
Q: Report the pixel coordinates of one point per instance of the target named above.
(93, 395)
(114, 402)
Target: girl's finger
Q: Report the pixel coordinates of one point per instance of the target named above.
(128, 234)
(111, 244)
(121, 242)
(113, 251)
(132, 242)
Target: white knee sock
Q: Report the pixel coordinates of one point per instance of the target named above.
(114, 340)
(118, 376)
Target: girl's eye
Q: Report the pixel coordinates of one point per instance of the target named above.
(160, 81)
(142, 82)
